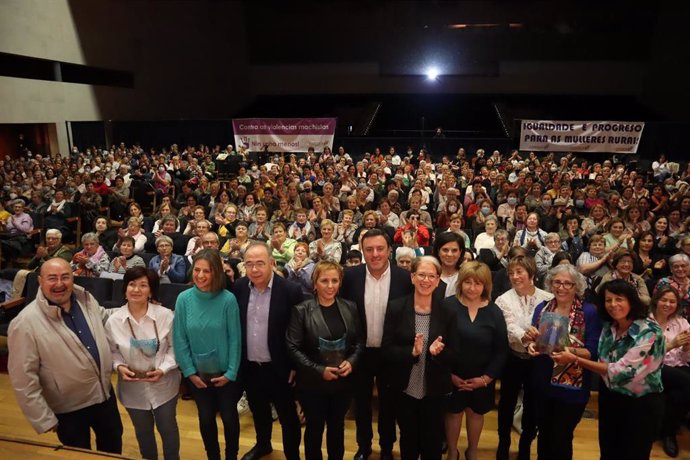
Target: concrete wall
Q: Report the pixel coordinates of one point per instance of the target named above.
(188, 59)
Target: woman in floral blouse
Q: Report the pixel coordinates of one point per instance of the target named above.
(631, 354)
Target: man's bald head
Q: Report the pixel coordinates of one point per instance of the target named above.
(56, 281)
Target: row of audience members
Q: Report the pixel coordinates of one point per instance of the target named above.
(429, 336)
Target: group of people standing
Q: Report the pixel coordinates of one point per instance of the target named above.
(432, 335)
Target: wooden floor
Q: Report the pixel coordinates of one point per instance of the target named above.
(13, 424)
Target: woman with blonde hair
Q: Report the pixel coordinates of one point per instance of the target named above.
(480, 327)
(324, 382)
(326, 247)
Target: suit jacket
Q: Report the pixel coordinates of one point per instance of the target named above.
(284, 295)
(398, 340)
(354, 282)
(307, 325)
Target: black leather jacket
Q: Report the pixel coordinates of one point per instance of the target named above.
(306, 325)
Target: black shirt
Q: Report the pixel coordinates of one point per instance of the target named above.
(334, 321)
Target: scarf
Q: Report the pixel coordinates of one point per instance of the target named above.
(59, 205)
(570, 375)
(83, 271)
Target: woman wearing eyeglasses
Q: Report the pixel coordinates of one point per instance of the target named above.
(481, 328)
(415, 332)
(563, 390)
(140, 337)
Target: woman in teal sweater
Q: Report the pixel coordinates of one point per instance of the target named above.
(208, 347)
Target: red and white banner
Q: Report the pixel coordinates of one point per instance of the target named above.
(284, 134)
(580, 136)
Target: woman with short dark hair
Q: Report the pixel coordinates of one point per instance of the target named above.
(675, 375)
(208, 347)
(631, 354)
(140, 337)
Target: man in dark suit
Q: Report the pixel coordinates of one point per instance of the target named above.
(371, 286)
(266, 302)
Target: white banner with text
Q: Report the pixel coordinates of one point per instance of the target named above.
(284, 134)
(580, 136)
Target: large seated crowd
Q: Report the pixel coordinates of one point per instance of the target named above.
(501, 243)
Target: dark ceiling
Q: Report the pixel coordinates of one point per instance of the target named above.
(466, 37)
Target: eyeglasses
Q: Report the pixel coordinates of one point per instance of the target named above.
(426, 276)
(252, 265)
(414, 217)
(563, 284)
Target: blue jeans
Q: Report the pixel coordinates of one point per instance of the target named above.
(166, 423)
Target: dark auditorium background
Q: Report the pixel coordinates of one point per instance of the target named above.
(83, 72)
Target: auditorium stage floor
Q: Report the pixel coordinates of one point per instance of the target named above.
(13, 424)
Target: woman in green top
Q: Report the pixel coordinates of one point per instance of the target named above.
(283, 247)
(208, 345)
(631, 354)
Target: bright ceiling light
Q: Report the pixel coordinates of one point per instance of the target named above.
(432, 73)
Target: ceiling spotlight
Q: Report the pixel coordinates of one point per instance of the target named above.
(432, 73)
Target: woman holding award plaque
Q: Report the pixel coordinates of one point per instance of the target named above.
(208, 346)
(565, 322)
(324, 340)
(140, 336)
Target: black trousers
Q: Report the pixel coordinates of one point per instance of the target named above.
(421, 426)
(556, 421)
(628, 426)
(368, 374)
(321, 410)
(209, 402)
(264, 386)
(104, 419)
(676, 382)
(517, 376)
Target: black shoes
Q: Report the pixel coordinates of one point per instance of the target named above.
(256, 452)
(362, 454)
(388, 455)
(670, 446)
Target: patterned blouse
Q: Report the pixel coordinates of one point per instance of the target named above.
(635, 359)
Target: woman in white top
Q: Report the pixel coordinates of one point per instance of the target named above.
(518, 306)
(449, 249)
(531, 237)
(485, 240)
(387, 218)
(140, 337)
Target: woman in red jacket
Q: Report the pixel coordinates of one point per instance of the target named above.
(414, 224)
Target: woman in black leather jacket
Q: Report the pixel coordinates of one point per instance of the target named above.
(324, 340)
